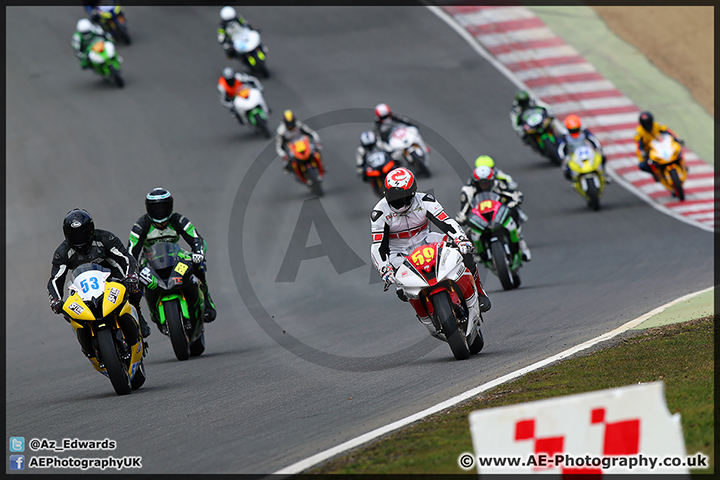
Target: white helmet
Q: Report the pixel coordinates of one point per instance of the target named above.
(83, 25)
(484, 178)
(227, 13)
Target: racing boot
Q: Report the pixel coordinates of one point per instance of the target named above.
(526, 255)
(145, 330)
(287, 167)
(483, 299)
(210, 312)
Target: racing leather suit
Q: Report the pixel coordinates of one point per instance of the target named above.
(383, 129)
(516, 112)
(225, 30)
(145, 233)
(507, 188)
(228, 93)
(81, 42)
(395, 235)
(105, 250)
(568, 144)
(283, 136)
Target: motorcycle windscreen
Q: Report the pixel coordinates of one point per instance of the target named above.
(163, 255)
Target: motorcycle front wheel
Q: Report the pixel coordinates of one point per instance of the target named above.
(115, 74)
(593, 195)
(502, 266)
(314, 181)
(178, 338)
(677, 185)
(445, 316)
(113, 365)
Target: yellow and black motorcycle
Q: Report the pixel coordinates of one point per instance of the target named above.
(585, 164)
(105, 322)
(666, 162)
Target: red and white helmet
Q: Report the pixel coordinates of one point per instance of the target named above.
(400, 188)
(382, 112)
(484, 178)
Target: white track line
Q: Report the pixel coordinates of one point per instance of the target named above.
(309, 462)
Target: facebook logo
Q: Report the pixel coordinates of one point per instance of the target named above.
(17, 462)
(17, 444)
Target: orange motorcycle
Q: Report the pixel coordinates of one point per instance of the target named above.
(307, 164)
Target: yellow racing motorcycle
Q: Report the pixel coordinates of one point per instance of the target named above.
(585, 164)
(99, 310)
(667, 164)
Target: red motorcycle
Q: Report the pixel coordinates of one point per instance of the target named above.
(307, 164)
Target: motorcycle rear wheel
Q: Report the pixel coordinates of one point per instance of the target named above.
(502, 266)
(198, 346)
(178, 338)
(139, 379)
(677, 185)
(113, 365)
(478, 343)
(455, 338)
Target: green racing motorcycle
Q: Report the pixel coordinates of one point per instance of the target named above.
(174, 297)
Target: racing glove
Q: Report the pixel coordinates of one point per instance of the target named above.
(132, 282)
(387, 275)
(197, 258)
(464, 245)
(56, 306)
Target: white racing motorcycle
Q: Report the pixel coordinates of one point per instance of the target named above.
(438, 285)
(246, 43)
(250, 104)
(406, 143)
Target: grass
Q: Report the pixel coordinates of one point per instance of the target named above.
(681, 355)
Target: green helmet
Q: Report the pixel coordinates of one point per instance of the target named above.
(522, 98)
(484, 160)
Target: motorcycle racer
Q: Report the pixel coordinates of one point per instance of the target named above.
(162, 224)
(400, 222)
(648, 130)
(486, 178)
(576, 137)
(289, 129)
(85, 32)
(368, 146)
(229, 19)
(85, 244)
(385, 120)
(522, 102)
(230, 83)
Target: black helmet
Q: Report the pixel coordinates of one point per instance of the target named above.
(646, 121)
(229, 76)
(400, 188)
(79, 228)
(289, 119)
(522, 98)
(159, 204)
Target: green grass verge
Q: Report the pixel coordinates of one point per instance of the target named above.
(681, 355)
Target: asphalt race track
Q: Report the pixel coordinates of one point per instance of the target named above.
(307, 351)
